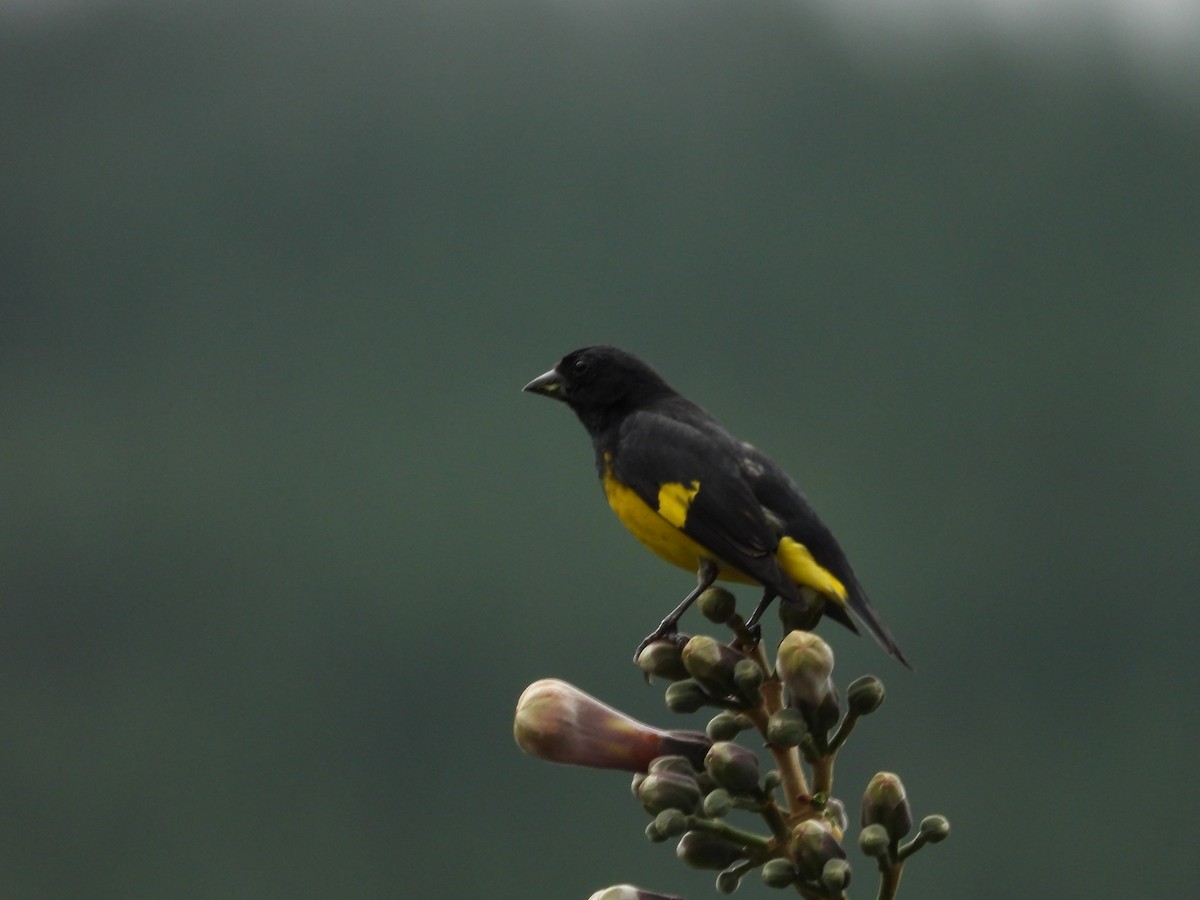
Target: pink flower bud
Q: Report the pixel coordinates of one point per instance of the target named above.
(558, 722)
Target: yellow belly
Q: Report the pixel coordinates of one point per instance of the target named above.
(660, 535)
(660, 531)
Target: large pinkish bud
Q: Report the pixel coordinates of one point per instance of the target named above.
(556, 721)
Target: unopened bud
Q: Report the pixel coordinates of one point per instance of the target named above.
(663, 659)
(725, 726)
(702, 850)
(884, 803)
(686, 696)
(805, 665)
(733, 767)
(728, 881)
(558, 722)
(935, 828)
(778, 872)
(836, 876)
(629, 892)
(815, 845)
(864, 695)
(711, 663)
(671, 823)
(748, 676)
(874, 841)
(786, 728)
(835, 815)
(717, 604)
(802, 614)
(653, 835)
(717, 803)
(671, 763)
(667, 789)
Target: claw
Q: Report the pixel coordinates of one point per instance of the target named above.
(666, 630)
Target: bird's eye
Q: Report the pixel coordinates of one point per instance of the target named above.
(581, 366)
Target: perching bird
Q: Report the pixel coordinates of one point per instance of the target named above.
(702, 499)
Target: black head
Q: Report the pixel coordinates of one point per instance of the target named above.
(601, 381)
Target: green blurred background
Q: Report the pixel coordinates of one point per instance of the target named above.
(282, 541)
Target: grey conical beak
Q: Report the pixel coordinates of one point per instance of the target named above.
(548, 385)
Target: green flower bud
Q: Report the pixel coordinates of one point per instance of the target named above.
(671, 823)
(558, 722)
(725, 726)
(778, 873)
(677, 764)
(771, 780)
(680, 765)
(865, 695)
(805, 664)
(629, 892)
(748, 674)
(717, 803)
(711, 663)
(874, 841)
(638, 778)
(702, 850)
(733, 767)
(835, 815)
(804, 614)
(686, 696)
(748, 677)
(668, 790)
(717, 604)
(935, 828)
(836, 876)
(663, 659)
(786, 728)
(884, 803)
(728, 881)
(815, 845)
(653, 835)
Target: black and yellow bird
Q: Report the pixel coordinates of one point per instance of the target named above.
(702, 499)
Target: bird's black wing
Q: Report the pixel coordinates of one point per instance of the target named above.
(654, 451)
(784, 502)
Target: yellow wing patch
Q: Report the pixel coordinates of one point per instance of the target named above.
(652, 528)
(798, 564)
(674, 500)
(660, 530)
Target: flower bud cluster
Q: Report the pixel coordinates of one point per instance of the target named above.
(690, 782)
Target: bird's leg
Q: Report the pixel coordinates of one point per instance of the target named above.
(706, 574)
(752, 623)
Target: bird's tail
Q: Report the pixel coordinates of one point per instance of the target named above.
(866, 614)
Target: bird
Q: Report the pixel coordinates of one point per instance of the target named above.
(704, 500)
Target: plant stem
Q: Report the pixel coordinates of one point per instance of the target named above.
(889, 883)
(787, 759)
(843, 731)
(756, 843)
(822, 774)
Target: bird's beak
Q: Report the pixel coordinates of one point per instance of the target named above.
(548, 385)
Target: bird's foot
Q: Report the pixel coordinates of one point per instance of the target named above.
(754, 634)
(666, 631)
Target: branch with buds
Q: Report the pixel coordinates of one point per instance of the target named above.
(689, 782)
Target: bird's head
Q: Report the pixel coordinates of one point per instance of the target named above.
(598, 381)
